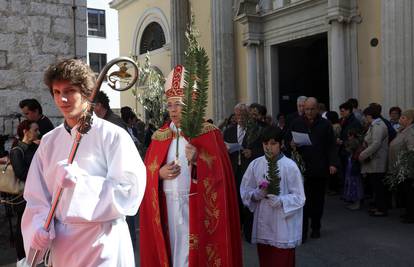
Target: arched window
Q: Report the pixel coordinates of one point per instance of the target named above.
(153, 38)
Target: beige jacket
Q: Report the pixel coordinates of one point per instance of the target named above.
(402, 142)
(374, 157)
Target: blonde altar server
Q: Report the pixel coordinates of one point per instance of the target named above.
(105, 182)
(277, 225)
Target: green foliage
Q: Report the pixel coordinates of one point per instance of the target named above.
(151, 92)
(196, 85)
(273, 175)
(402, 170)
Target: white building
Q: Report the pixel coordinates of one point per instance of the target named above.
(103, 41)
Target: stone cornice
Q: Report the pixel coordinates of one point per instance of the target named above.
(119, 4)
(246, 7)
(342, 11)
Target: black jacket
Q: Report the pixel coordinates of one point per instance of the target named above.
(347, 124)
(20, 158)
(230, 136)
(323, 151)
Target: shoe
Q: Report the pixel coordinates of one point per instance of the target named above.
(354, 206)
(315, 234)
(378, 214)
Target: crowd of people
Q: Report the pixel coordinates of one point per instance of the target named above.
(252, 176)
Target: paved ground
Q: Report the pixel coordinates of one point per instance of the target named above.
(349, 238)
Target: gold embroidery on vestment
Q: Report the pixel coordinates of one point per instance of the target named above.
(153, 166)
(193, 243)
(207, 158)
(212, 212)
(213, 258)
(162, 134)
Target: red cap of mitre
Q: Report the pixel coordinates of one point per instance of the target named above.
(174, 84)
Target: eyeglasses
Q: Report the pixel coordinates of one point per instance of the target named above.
(171, 106)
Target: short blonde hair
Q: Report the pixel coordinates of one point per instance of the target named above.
(409, 113)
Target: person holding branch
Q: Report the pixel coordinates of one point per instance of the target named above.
(189, 215)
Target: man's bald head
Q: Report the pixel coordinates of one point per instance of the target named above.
(311, 108)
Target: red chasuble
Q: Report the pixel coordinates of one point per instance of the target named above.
(215, 238)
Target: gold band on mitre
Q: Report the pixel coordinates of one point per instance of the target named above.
(174, 84)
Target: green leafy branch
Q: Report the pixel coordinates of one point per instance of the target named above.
(196, 85)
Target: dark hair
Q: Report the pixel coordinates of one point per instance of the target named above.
(32, 104)
(372, 111)
(353, 102)
(397, 109)
(127, 114)
(260, 108)
(102, 99)
(332, 116)
(73, 70)
(272, 132)
(280, 115)
(23, 126)
(346, 106)
(377, 107)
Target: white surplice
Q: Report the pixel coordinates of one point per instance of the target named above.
(279, 227)
(90, 218)
(177, 196)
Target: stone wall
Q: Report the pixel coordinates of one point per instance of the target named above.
(34, 34)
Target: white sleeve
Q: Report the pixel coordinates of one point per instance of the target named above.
(295, 199)
(98, 198)
(247, 187)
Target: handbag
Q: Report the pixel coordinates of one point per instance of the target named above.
(8, 181)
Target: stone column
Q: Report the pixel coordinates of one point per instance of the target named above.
(222, 59)
(338, 91)
(397, 53)
(179, 21)
(252, 84)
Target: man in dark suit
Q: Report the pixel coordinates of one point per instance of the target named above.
(248, 149)
(321, 160)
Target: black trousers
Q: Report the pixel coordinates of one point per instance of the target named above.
(19, 238)
(380, 191)
(409, 198)
(315, 201)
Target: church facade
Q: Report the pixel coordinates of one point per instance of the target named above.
(272, 51)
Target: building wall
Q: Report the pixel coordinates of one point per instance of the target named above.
(33, 34)
(369, 58)
(240, 64)
(108, 45)
(202, 11)
(130, 18)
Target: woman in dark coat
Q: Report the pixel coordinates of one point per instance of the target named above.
(20, 157)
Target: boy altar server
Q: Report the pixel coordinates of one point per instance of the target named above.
(276, 196)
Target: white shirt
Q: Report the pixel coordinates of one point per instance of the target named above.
(89, 221)
(177, 197)
(279, 227)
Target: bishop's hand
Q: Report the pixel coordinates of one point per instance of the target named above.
(191, 153)
(169, 171)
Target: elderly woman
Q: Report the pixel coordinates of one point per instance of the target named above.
(374, 158)
(404, 141)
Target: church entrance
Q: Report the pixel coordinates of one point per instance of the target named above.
(303, 70)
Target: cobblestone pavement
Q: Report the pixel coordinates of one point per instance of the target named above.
(349, 238)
